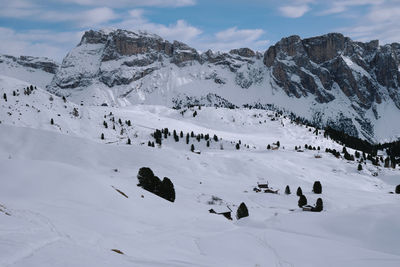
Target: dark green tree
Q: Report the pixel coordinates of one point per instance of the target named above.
(398, 189)
(299, 191)
(319, 205)
(242, 211)
(317, 187)
(287, 190)
(102, 136)
(302, 201)
(129, 141)
(359, 168)
(192, 148)
(51, 121)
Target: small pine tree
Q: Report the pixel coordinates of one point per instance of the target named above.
(268, 146)
(317, 187)
(129, 141)
(64, 99)
(359, 168)
(242, 211)
(299, 191)
(14, 93)
(120, 121)
(295, 147)
(192, 148)
(278, 144)
(181, 134)
(302, 201)
(51, 121)
(397, 191)
(215, 138)
(237, 146)
(287, 190)
(5, 97)
(194, 113)
(319, 206)
(149, 144)
(102, 136)
(192, 134)
(187, 138)
(105, 124)
(208, 143)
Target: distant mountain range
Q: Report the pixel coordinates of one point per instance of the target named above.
(329, 80)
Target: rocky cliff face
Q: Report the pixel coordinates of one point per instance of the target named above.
(330, 79)
(328, 65)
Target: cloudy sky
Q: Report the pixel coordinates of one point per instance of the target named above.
(52, 28)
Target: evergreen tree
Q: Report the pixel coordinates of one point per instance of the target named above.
(278, 144)
(167, 190)
(398, 189)
(317, 187)
(102, 136)
(359, 168)
(5, 97)
(149, 144)
(192, 134)
(302, 201)
(129, 141)
(287, 190)
(181, 134)
(194, 113)
(319, 206)
(120, 121)
(299, 191)
(242, 211)
(268, 146)
(237, 146)
(192, 148)
(51, 121)
(215, 138)
(187, 138)
(14, 93)
(387, 162)
(208, 143)
(105, 124)
(64, 99)
(295, 147)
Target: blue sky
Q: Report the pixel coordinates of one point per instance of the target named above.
(52, 28)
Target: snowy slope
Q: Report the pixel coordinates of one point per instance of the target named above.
(59, 205)
(33, 70)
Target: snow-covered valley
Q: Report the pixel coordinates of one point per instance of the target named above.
(61, 185)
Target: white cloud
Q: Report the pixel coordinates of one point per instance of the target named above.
(133, 3)
(235, 38)
(295, 11)
(40, 43)
(380, 22)
(340, 6)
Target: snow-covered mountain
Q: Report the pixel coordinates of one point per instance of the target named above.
(329, 80)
